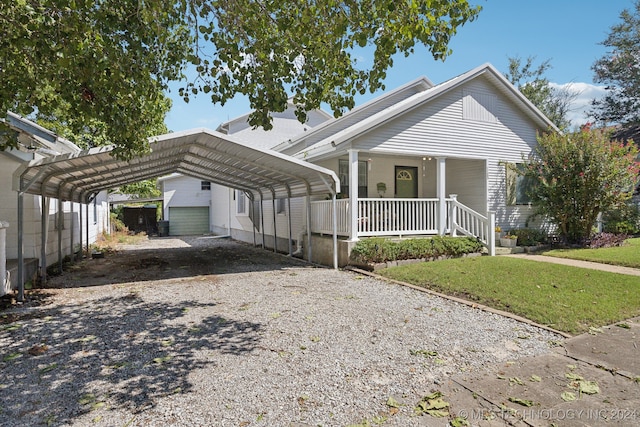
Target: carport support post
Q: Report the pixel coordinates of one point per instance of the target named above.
(253, 212)
(289, 222)
(44, 231)
(86, 222)
(309, 224)
(262, 218)
(335, 231)
(60, 225)
(275, 233)
(80, 230)
(73, 255)
(20, 246)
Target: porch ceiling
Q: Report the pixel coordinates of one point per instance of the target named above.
(199, 153)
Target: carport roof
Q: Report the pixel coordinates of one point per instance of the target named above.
(200, 153)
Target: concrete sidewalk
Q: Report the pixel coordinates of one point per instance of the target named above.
(590, 380)
(577, 263)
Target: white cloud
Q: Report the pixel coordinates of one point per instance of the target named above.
(582, 104)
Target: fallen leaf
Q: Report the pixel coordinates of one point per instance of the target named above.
(588, 387)
(459, 422)
(515, 380)
(523, 402)
(535, 378)
(11, 356)
(392, 403)
(38, 349)
(568, 396)
(574, 377)
(48, 368)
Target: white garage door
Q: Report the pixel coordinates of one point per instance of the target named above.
(188, 221)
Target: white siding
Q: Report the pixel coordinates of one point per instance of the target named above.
(184, 191)
(439, 129)
(32, 241)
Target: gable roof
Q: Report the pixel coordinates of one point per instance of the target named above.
(332, 140)
(354, 116)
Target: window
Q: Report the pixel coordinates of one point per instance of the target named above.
(281, 205)
(241, 202)
(205, 185)
(518, 186)
(343, 174)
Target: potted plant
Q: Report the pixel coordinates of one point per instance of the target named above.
(382, 188)
(498, 232)
(509, 240)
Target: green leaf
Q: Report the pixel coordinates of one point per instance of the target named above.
(568, 396)
(459, 422)
(523, 402)
(535, 378)
(588, 387)
(393, 403)
(573, 377)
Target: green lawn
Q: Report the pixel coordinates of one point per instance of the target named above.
(627, 255)
(569, 299)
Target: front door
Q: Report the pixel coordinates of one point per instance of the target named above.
(406, 181)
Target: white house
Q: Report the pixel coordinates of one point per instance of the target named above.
(422, 159)
(59, 220)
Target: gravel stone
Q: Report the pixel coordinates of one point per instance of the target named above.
(204, 332)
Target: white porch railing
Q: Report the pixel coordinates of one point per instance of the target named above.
(472, 224)
(392, 217)
(400, 217)
(322, 217)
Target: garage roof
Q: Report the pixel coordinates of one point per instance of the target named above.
(200, 153)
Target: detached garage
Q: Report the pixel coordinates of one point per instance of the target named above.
(184, 221)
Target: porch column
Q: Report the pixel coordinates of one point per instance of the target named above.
(353, 195)
(441, 178)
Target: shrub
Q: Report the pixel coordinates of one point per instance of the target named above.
(607, 240)
(622, 220)
(378, 249)
(529, 236)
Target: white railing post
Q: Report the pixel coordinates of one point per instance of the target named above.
(492, 235)
(453, 221)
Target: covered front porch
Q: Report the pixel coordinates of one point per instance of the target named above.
(359, 217)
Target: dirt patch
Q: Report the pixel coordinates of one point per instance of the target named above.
(155, 259)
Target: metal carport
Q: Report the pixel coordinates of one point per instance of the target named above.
(199, 153)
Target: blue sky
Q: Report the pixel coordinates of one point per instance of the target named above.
(568, 32)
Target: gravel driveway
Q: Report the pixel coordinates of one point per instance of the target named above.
(210, 332)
